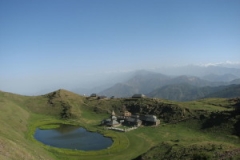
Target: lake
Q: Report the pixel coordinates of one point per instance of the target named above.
(73, 137)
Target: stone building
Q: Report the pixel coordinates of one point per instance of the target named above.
(133, 121)
(150, 120)
(112, 121)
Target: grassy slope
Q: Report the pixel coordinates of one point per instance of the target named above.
(20, 115)
(15, 119)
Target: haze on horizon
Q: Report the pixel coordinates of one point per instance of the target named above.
(63, 44)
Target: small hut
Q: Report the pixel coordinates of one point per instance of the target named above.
(138, 96)
(93, 95)
(102, 97)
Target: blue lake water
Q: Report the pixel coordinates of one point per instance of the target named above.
(73, 137)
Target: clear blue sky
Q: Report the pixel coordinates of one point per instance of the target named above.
(44, 41)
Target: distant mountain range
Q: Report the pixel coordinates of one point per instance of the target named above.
(186, 92)
(230, 91)
(220, 78)
(200, 71)
(180, 88)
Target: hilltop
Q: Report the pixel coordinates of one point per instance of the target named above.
(205, 126)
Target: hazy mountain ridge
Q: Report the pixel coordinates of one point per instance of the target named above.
(230, 91)
(220, 78)
(145, 81)
(186, 92)
(98, 82)
(149, 82)
(181, 92)
(120, 90)
(200, 70)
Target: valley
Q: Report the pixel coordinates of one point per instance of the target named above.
(206, 128)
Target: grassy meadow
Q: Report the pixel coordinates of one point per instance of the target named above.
(21, 115)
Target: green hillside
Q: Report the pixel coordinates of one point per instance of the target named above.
(185, 129)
